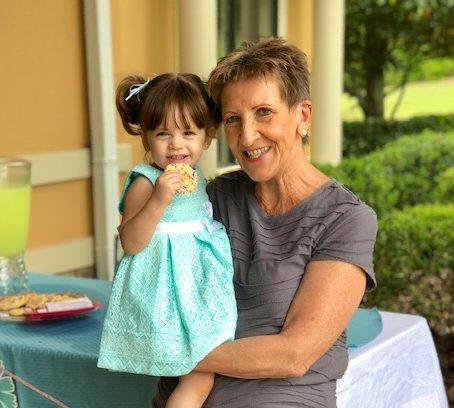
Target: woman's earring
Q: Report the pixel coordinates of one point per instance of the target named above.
(303, 133)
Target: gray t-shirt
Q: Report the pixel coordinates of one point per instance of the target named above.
(270, 254)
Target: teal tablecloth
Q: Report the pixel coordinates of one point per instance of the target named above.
(60, 357)
(365, 325)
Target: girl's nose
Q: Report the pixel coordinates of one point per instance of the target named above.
(175, 143)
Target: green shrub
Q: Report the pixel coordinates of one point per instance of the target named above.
(369, 180)
(403, 173)
(428, 70)
(444, 190)
(414, 263)
(414, 163)
(363, 137)
(433, 69)
(414, 256)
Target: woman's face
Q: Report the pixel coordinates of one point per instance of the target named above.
(262, 131)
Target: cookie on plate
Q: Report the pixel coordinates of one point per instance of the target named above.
(12, 301)
(20, 311)
(37, 301)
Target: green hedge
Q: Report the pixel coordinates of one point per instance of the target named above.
(414, 263)
(403, 173)
(406, 182)
(363, 137)
(368, 179)
(444, 189)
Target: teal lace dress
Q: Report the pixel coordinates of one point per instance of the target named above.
(173, 302)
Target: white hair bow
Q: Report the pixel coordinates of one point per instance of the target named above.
(135, 89)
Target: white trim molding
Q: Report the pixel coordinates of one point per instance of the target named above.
(62, 257)
(61, 166)
(101, 103)
(67, 165)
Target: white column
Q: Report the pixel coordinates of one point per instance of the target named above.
(282, 19)
(327, 81)
(196, 51)
(102, 132)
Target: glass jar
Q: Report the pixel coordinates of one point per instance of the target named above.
(15, 197)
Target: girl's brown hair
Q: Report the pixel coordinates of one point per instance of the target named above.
(150, 107)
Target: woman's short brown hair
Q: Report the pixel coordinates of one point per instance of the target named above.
(273, 57)
(150, 107)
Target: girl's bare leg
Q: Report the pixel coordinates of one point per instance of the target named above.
(192, 390)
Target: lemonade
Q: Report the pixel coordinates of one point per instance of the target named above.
(14, 217)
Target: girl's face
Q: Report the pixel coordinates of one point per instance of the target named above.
(171, 142)
(262, 131)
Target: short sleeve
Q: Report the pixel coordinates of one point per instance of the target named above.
(351, 238)
(141, 169)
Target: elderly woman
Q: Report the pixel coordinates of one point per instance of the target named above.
(302, 243)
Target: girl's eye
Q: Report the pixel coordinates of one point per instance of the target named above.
(231, 119)
(162, 134)
(189, 133)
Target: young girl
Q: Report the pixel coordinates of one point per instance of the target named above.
(172, 298)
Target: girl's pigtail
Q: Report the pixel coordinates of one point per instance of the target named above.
(129, 108)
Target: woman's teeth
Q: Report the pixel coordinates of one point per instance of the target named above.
(253, 154)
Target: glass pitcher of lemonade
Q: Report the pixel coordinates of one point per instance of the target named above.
(15, 192)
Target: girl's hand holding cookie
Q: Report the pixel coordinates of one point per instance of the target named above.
(167, 185)
(188, 175)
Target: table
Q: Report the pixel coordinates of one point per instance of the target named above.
(60, 357)
(399, 368)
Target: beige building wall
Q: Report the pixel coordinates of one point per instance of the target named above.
(299, 27)
(43, 107)
(44, 114)
(143, 43)
(299, 31)
(44, 110)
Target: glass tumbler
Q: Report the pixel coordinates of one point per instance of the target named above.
(15, 194)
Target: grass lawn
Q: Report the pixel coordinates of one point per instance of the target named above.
(420, 98)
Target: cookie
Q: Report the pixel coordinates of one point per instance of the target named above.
(25, 303)
(20, 311)
(188, 174)
(59, 297)
(12, 302)
(37, 301)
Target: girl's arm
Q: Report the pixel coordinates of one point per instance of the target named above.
(144, 206)
(327, 298)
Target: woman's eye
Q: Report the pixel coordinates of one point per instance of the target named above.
(264, 111)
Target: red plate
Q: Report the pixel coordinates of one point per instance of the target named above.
(46, 316)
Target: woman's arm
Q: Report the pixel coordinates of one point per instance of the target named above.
(144, 206)
(327, 298)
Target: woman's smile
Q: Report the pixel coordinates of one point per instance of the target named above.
(256, 153)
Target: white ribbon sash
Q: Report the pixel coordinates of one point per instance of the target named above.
(184, 227)
(180, 227)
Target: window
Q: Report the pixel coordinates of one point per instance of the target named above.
(240, 20)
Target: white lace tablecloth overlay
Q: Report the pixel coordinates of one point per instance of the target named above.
(398, 369)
